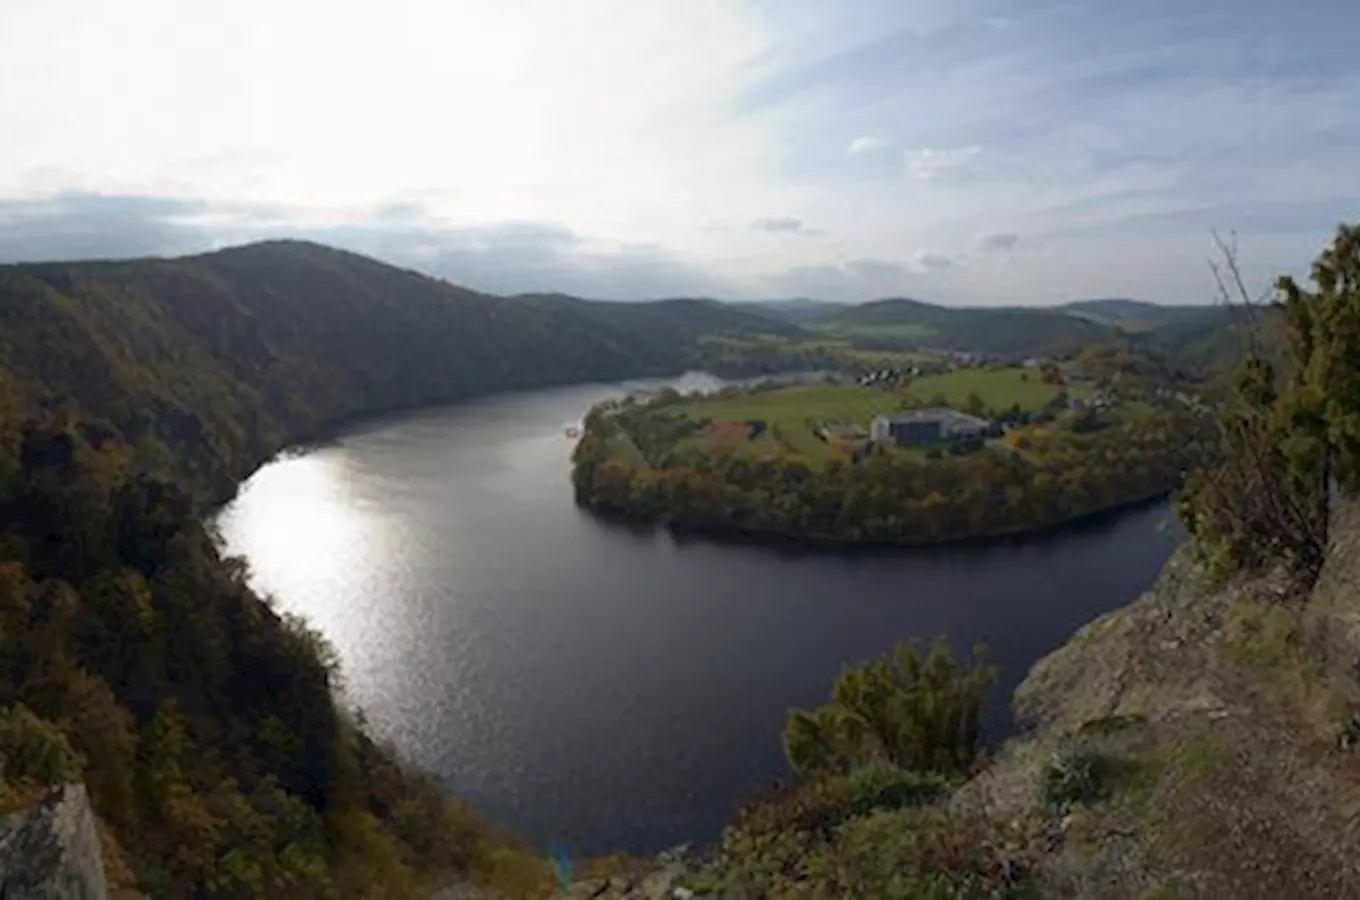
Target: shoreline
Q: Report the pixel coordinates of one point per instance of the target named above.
(815, 543)
(328, 431)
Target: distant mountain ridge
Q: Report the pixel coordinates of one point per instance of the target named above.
(1008, 331)
(1116, 308)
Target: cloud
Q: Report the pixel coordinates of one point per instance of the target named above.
(866, 144)
(91, 226)
(560, 136)
(502, 258)
(927, 261)
(853, 281)
(783, 225)
(927, 163)
(997, 241)
(1118, 134)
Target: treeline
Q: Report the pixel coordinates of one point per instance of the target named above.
(623, 467)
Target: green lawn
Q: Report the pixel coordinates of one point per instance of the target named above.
(820, 402)
(790, 414)
(998, 388)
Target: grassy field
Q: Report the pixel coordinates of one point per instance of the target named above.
(834, 403)
(843, 349)
(998, 388)
(793, 413)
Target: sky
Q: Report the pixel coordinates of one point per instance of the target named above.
(973, 152)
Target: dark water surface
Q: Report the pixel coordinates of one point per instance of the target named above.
(593, 685)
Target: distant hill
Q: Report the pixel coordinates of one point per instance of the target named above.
(799, 310)
(1010, 331)
(1214, 338)
(226, 356)
(1140, 315)
(1194, 336)
(1115, 308)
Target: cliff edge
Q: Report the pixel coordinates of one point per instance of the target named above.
(51, 850)
(1220, 722)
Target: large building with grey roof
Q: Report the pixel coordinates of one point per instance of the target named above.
(927, 426)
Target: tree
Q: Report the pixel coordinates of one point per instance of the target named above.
(1282, 432)
(34, 750)
(974, 405)
(919, 713)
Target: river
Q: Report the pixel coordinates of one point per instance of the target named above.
(607, 688)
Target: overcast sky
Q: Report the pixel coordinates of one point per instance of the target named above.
(968, 151)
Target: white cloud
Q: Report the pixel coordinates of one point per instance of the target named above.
(854, 281)
(861, 145)
(927, 163)
(591, 113)
(928, 261)
(997, 241)
(783, 225)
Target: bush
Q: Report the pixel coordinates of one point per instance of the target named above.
(915, 711)
(1348, 733)
(34, 750)
(915, 854)
(1073, 777)
(883, 786)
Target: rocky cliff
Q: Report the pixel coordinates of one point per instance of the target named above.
(51, 850)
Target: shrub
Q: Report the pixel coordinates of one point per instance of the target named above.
(916, 712)
(33, 749)
(882, 786)
(1073, 777)
(1348, 732)
(914, 854)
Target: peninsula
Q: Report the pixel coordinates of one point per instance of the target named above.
(936, 449)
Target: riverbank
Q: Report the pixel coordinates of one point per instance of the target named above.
(800, 543)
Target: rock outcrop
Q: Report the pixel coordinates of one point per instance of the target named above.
(658, 879)
(1223, 718)
(51, 850)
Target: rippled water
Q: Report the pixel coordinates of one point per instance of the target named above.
(602, 687)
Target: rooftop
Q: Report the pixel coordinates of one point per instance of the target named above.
(929, 414)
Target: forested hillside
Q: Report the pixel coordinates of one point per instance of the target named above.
(1012, 332)
(1197, 336)
(223, 357)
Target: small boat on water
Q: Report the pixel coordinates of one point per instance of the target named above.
(573, 431)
